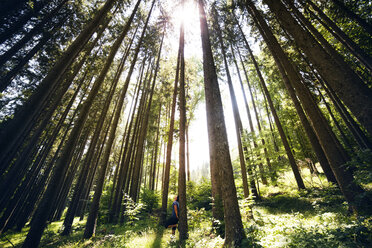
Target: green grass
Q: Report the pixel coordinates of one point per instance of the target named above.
(286, 217)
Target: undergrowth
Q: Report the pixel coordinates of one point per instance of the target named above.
(285, 217)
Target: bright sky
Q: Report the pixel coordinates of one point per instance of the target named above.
(199, 151)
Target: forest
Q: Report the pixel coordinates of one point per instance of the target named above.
(255, 114)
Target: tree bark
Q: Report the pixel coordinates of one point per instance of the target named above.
(183, 226)
(344, 81)
(362, 56)
(12, 130)
(164, 202)
(333, 150)
(218, 143)
(363, 23)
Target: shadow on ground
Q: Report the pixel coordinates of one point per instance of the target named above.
(281, 204)
(158, 238)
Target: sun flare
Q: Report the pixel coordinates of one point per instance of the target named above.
(188, 14)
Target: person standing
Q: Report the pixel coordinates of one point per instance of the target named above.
(173, 220)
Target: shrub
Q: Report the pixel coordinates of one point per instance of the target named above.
(150, 199)
(199, 195)
(132, 209)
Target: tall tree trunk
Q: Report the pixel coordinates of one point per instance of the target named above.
(40, 218)
(12, 130)
(335, 121)
(137, 165)
(218, 143)
(67, 224)
(344, 81)
(188, 152)
(156, 148)
(114, 211)
(335, 154)
(363, 23)
(91, 223)
(252, 183)
(292, 161)
(309, 130)
(260, 166)
(359, 135)
(362, 56)
(183, 227)
(237, 119)
(164, 201)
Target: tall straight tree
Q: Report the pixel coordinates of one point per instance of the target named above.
(93, 214)
(183, 227)
(347, 85)
(335, 154)
(67, 224)
(14, 129)
(218, 143)
(252, 183)
(135, 178)
(237, 119)
(292, 161)
(40, 218)
(164, 201)
(362, 22)
(309, 130)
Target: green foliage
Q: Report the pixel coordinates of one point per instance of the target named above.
(195, 217)
(132, 209)
(150, 199)
(362, 164)
(199, 195)
(355, 234)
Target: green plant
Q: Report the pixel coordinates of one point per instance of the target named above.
(150, 199)
(132, 209)
(199, 195)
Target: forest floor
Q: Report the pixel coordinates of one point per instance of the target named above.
(317, 217)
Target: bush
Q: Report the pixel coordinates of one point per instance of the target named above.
(362, 166)
(150, 199)
(132, 209)
(199, 195)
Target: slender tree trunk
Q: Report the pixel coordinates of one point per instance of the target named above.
(335, 121)
(188, 153)
(114, 212)
(292, 161)
(362, 56)
(218, 143)
(164, 202)
(12, 130)
(237, 119)
(156, 148)
(67, 224)
(90, 226)
(137, 165)
(260, 166)
(363, 23)
(40, 218)
(332, 148)
(183, 226)
(344, 81)
(359, 135)
(252, 183)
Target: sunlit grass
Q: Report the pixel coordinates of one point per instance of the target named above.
(286, 217)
